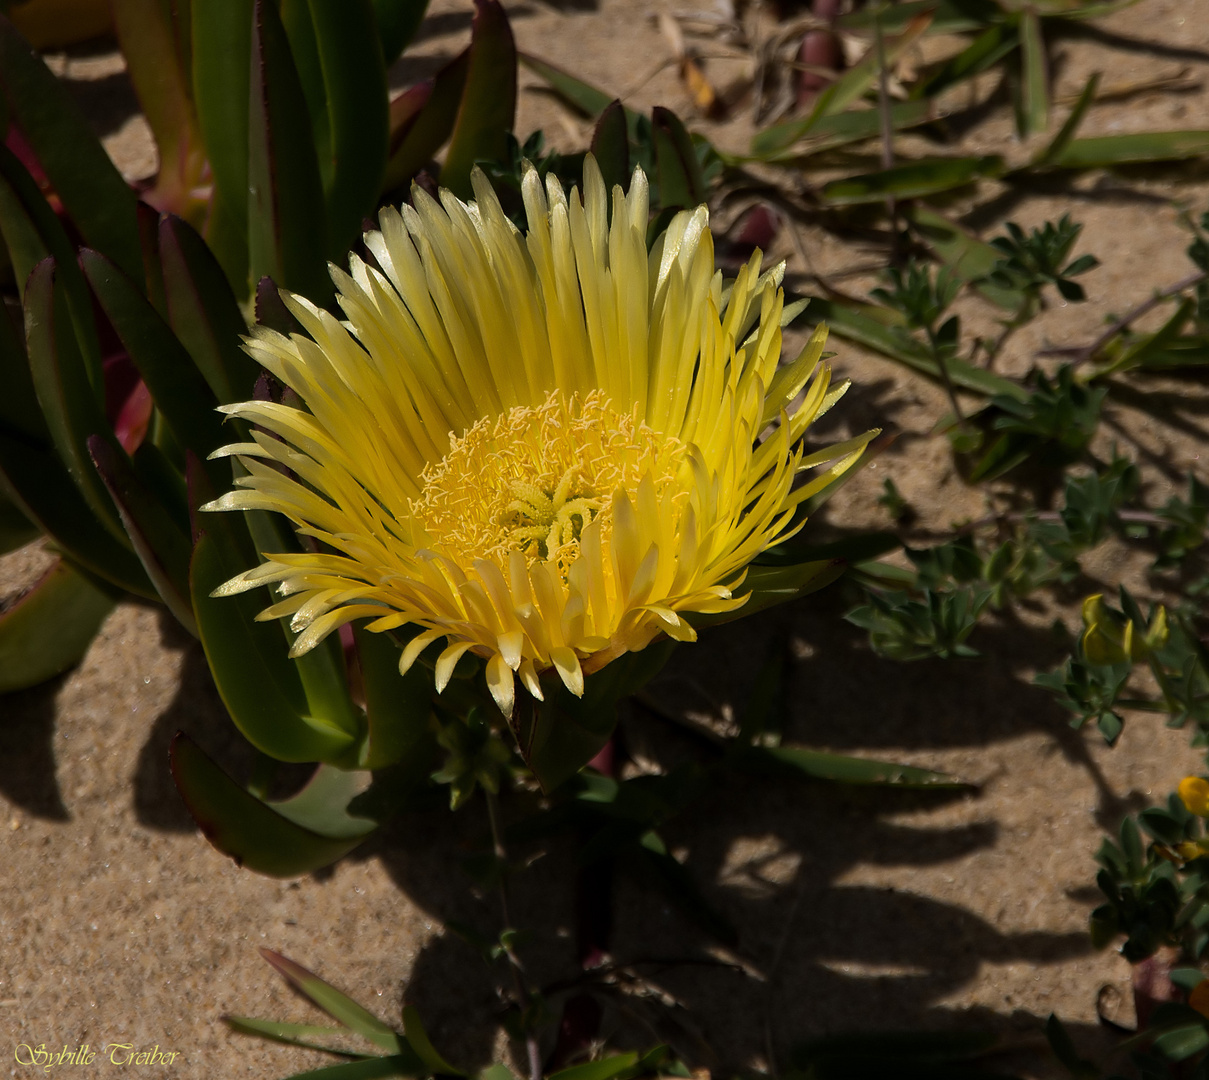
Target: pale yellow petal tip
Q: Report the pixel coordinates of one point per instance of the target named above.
(1194, 793)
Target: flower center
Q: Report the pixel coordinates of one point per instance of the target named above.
(533, 478)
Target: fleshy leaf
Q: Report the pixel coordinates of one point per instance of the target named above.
(1034, 89)
(681, 183)
(158, 63)
(354, 81)
(488, 109)
(158, 540)
(258, 683)
(252, 832)
(32, 231)
(49, 629)
(222, 42)
(422, 119)
(203, 312)
(418, 1038)
(287, 229)
(397, 708)
(398, 21)
(611, 147)
(178, 388)
(100, 202)
(70, 404)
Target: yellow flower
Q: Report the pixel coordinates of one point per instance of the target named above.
(1194, 793)
(546, 448)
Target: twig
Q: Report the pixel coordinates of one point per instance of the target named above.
(518, 971)
(1084, 353)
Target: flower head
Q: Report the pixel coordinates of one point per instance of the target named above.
(545, 448)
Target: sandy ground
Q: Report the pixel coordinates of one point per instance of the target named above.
(120, 925)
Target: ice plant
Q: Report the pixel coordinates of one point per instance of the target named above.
(547, 449)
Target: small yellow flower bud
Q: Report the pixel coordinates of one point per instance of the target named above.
(1194, 792)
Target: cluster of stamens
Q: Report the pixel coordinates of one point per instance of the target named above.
(534, 478)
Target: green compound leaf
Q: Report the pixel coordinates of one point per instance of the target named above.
(488, 109)
(49, 629)
(259, 835)
(100, 202)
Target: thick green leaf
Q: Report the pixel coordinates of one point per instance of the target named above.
(158, 63)
(49, 629)
(322, 806)
(250, 831)
(100, 202)
(337, 1005)
(161, 545)
(398, 21)
(928, 177)
(397, 707)
(19, 409)
(414, 1031)
(259, 684)
(16, 530)
(203, 312)
(43, 491)
(1034, 88)
(422, 119)
(865, 330)
(177, 387)
(222, 44)
(287, 229)
(1140, 148)
(69, 403)
(966, 257)
(841, 768)
(354, 81)
(681, 183)
(32, 231)
(321, 669)
(611, 147)
(488, 109)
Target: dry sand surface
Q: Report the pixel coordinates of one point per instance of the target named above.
(120, 925)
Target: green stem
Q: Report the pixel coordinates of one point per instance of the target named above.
(514, 963)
